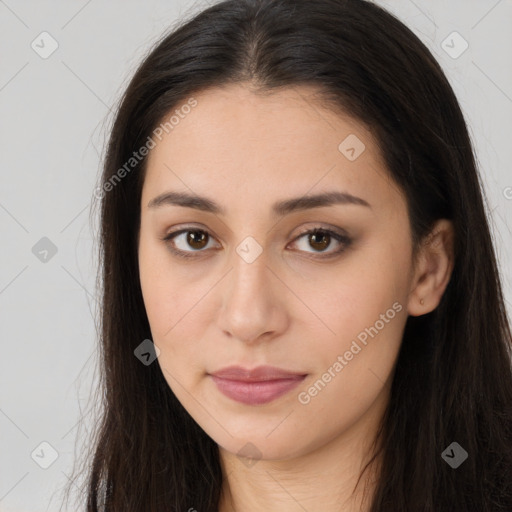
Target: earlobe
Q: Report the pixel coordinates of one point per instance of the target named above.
(434, 267)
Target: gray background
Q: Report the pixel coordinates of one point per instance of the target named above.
(55, 114)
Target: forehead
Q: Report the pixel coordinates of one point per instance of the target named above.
(264, 146)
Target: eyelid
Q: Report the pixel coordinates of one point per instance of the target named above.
(339, 235)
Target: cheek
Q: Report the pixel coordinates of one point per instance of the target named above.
(160, 291)
(366, 337)
(164, 286)
(354, 294)
(177, 310)
(353, 365)
(364, 308)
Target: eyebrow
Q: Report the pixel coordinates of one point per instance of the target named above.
(280, 208)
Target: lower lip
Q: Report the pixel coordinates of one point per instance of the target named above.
(256, 393)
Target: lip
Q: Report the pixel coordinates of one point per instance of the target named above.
(257, 386)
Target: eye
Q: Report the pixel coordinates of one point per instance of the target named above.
(195, 238)
(318, 238)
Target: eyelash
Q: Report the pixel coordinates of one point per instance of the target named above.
(342, 239)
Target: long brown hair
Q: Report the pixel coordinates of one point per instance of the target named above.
(453, 379)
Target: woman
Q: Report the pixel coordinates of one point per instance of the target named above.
(292, 221)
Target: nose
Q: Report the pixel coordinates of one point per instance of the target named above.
(253, 306)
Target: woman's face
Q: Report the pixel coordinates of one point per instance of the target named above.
(255, 289)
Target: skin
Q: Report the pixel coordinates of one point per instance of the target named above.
(286, 308)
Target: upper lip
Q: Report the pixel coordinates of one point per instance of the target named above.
(258, 374)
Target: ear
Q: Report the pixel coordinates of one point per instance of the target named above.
(433, 268)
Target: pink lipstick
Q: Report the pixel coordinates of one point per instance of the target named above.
(257, 386)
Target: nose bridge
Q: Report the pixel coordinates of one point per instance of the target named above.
(248, 308)
(250, 273)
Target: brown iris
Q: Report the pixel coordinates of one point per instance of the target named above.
(196, 237)
(319, 240)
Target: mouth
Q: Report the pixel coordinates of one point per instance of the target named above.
(258, 386)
